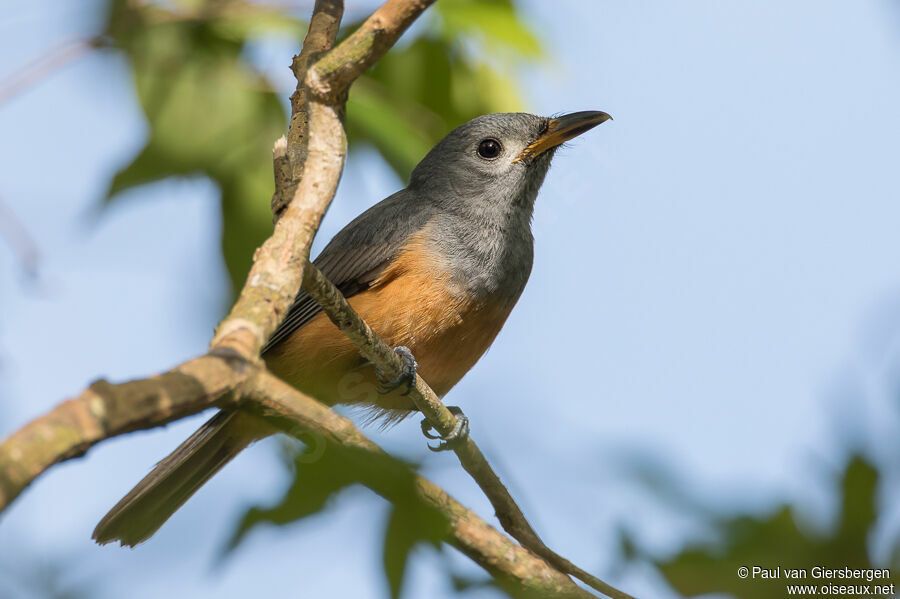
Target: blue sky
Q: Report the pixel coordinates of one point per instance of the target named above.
(715, 286)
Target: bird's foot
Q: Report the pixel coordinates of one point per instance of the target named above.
(457, 436)
(406, 377)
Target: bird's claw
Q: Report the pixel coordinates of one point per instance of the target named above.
(451, 441)
(406, 377)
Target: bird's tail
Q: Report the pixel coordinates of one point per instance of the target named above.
(172, 482)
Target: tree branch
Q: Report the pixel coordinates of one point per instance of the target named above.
(334, 72)
(48, 63)
(104, 410)
(323, 28)
(316, 146)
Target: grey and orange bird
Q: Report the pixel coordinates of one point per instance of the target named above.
(435, 269)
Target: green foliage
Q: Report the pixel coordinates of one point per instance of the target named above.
(776, 541)
(316, 482)
(210, 113)
(410, 522)
(45, 576)
(493, 23)
(323, 470)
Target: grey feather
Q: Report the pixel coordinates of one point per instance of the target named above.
(172, 482)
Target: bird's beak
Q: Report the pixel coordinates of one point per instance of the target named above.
(562, 129)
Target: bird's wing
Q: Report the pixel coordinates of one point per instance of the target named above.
(358, 255)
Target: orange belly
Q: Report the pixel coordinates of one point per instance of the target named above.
(413, 303)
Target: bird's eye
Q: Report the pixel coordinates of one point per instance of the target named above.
(489, 148)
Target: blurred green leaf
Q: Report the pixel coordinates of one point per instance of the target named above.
(316, 482)
(322, 471)
(250, 19)
(46, 573)
(776, 541)
(402, 137)
(410, 523)
(209, 113)
(493, 23)
(857, 513)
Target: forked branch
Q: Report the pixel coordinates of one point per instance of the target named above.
(308, 166)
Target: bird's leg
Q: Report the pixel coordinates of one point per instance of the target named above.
(406, 377)
(459, 434)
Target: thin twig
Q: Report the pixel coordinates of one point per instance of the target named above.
(469, 533)
(103, 410)
(375, 350)
(334, 72)
(46, 64)
(19, 240)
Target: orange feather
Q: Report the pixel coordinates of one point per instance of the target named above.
(413, 303)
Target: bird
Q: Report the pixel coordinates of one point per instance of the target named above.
(435, 269)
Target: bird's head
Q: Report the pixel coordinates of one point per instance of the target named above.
(498, 159)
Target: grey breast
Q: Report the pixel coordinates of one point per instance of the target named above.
(489, 257)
